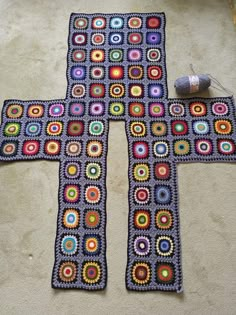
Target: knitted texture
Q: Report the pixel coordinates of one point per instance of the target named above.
(117, 71)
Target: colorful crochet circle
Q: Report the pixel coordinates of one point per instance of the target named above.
(79, 39)
(135, 22)
(12, 129)
(155, 90)
(71, 218)
(156, 110)
(92, 219)
(134, 54)
(179, 127)
(138, 129)
(78, 55)
(93, 170)
(161, 149)
(97, 90)
(153, 38)
(97, 55)
(81, 23)
(116, 22)
(164, 246)
(136, 90)
(163, 194)
(204, 147)
(136, 109)
(164, 219)
(153, 54)
(142, 219)
(94, 148)
(141, 172)
(177, 110)
(142, 246)
(116, 38)
(52, 147)
(75, 128)
(9, 149)
(165, 273)
(99, 23)
(142, 195)
(71, 193)
(76, 109)
(96, 128)
(220, 109)
(35, 111)
(116, 109)
(117, 90)
(72, 170)
(154, 72)
(116, 73)
(201, 127)
(116, 55)
(153, 22)
(136, 72)
(159, 128)
(69, 244)
(98, 39)
(141, 273)
(162, 171)
(91, 245)
(14, 111)
(182, 147)
(31, 147)
(91, 272)
(78, 73)
(92, 194)
(68, 271)
(54, 128)
(140, 150)
(226, 146)
(78, 91)
(223, 127)
(56, 110)
(198, 109)
(135, 38)
(73, 148)
(96, 109)
(97, 73)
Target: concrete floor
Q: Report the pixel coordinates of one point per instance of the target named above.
(33, 37)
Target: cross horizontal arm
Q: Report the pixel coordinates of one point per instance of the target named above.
(202, 129)
(32, 130)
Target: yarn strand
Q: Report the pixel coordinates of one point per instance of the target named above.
(218, 86)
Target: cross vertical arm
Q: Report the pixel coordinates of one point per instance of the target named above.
(154, 249)
(80, 244)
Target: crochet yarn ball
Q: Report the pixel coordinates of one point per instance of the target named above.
(192, 84)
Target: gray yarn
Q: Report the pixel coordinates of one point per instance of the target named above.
(183, 84)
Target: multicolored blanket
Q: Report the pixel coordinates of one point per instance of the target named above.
(117, 71)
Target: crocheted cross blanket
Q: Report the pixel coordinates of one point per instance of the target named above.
(117, 71)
